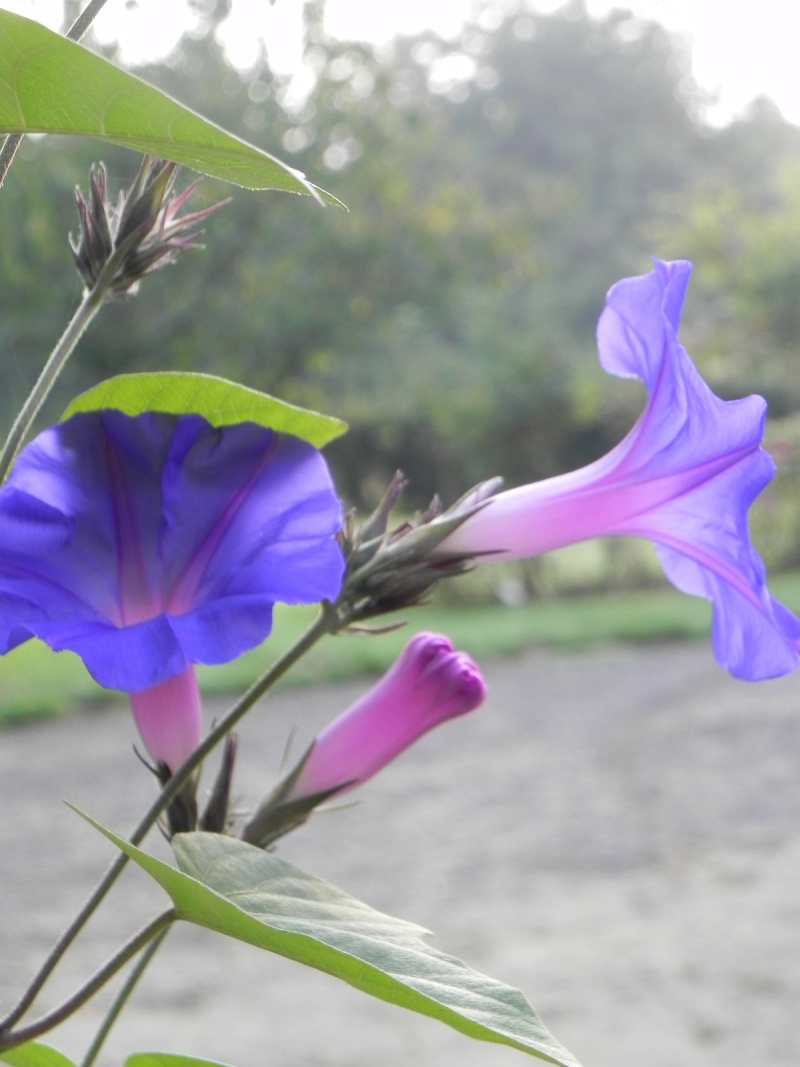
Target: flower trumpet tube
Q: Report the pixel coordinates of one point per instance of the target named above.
(684, 478)
(169, 717)
(429, 684)
(147, 544)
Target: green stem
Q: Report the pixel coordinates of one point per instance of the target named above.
(97, 981)
(85, 19)
(7, 153)
(89, 306)
(326, 622)
(121, 999)
(74, 33)
(86, 312)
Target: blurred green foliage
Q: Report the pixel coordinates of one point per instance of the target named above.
(497, 185)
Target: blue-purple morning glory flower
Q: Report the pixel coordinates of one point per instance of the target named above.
(152, 543)
(684, 477)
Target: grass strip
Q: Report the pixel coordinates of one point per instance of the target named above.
(37, 682)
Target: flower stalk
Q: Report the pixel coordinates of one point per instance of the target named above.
(87, 310)
(325, 623)
(117, 246)
(11, 1039)
(122, 998)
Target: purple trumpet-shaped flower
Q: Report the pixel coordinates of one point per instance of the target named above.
(684, 478)
(429, 684)
(152, 543)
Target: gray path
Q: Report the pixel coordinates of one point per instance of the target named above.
(617, 833)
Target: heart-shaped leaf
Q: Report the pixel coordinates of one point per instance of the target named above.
(220, 402)
(239, 890)
(49, 84)
(33, 1054)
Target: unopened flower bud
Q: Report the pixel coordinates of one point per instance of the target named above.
(391, 569)
(120, 243)
(429, 684)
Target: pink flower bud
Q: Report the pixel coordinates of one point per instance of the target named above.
(428, 684)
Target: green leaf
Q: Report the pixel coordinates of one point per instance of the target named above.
(35, 1055)
(236, 889)
(168, 1059)
(51, 85)
(221, 402)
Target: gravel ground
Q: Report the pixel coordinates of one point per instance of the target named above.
(616, 832)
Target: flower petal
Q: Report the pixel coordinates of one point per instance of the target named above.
(129, 658)
(148, 543)
(684, 423)
(285, 550)
(753, 640)
(101, 472)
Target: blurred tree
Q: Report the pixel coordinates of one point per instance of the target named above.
(497, 185)
(741, 226)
